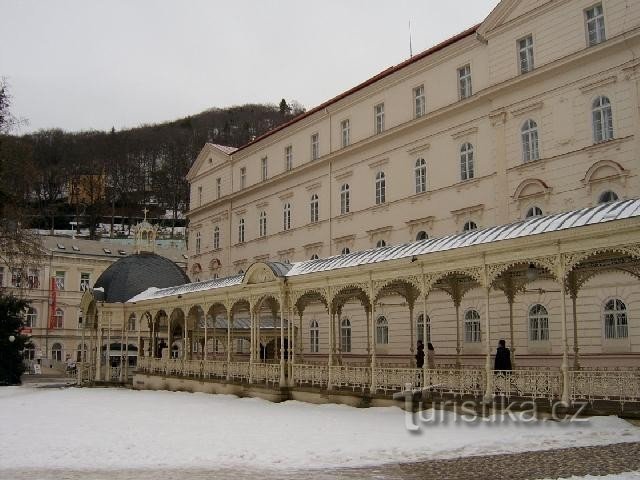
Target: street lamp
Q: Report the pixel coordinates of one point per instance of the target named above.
(12, 338)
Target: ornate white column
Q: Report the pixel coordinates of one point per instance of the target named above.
(252, 343)
(564, 367)
(283, 382)
(206, 335)
(373, 347)
(412, 362)
(99, 353)
(332, 339)
(488, 395)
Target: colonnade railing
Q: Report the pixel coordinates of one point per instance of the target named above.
(590, 385)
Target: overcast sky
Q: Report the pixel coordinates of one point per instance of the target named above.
(89, 64)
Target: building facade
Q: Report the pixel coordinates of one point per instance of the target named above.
(484, 189)
(68, 267)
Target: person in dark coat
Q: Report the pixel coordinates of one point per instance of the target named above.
(503, 357)
(420, 355)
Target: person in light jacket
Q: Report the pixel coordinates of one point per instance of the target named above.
(431, 356)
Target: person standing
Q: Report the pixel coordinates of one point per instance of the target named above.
(431, 356)
(420, 355)
(503, 358)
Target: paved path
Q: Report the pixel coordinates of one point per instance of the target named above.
(579, 461)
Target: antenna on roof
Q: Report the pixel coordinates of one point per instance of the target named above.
(410, 49)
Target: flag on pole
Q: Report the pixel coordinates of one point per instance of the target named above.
(52, 303)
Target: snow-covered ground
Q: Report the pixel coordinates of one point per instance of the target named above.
(110, 429)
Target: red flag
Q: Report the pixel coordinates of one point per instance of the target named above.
(52, 304)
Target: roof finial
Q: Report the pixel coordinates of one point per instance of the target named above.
(145, 210)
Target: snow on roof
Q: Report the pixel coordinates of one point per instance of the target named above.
(152, 292)
(224, 148)
(531, 226)
(523, 228)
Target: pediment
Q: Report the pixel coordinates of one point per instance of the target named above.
(209, 157)
(259, 272)
(508, 10)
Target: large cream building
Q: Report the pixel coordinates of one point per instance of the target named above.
(485, 189)
(535, 111)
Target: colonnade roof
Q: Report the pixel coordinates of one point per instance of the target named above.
(602, 213)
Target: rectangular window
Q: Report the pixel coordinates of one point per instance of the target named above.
(315, 146)
(594, 18)
(33, 280)
(264, 170)
(345, 133)
(16, 277)
(218, 187)
(85, 279)
(525, 54)
(288, 158)
(379, 118)
(419, 102)
(199, 196)
(243, 177)
(60, 280)
(464, 82)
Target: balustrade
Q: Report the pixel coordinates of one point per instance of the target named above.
(310, 375)
(616, 385)
(398, 379)
(350, 377)
(529, 383)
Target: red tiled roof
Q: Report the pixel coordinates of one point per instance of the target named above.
(372, 80)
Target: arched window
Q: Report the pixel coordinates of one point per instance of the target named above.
(216, 237)
(381, 243)
(534, 212)
(314, 208)
(286, 216)
(469, 225)
(241, 231)
(198, 242)
(131, 324)
(602, 120)
(314, 336)
(56, 352)
(421, 175)
(382, 331)
(529, 134)
(422, 235)
(615, 319)
(263, 223)
(345, 251)
(420, 328)
(608, 196)
(31, 317)
(472, 326)
(314, 256)
(345, 200)
(58, 318)
(538, 323)
(345, 335)
(466, 161)
(381, 188)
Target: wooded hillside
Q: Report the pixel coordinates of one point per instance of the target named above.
(54, 177)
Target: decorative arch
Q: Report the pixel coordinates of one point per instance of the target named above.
(264, 272)
(531, 187)
(196, 268)
(408, 288)
(215, 264)
(345, 293)
(301, 299)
